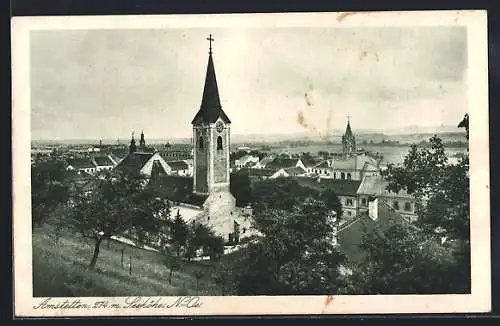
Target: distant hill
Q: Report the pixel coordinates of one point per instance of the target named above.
(406, 134)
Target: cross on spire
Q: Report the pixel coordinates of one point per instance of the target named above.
(210, 39)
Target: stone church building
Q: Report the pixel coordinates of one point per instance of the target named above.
(205, 198)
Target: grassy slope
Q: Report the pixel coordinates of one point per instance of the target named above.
(59, 269)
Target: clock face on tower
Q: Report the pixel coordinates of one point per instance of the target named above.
(219, 126)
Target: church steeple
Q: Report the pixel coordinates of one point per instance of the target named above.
(142, 141)
(348, 140)
(210, 109)
(348, 131)
(132, 147)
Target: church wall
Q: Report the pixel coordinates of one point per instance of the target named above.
(201, 160)
(148, 166)
(220, 157)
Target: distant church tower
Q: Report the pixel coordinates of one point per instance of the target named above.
(132, 147)
(211, 129)
(348, 141)
(142, 141)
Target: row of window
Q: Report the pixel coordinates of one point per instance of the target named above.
(407, 206)
(395, 204)
(219, 143)
(343, 176)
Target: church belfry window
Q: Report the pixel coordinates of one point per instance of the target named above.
(200, 142)
(219, 143)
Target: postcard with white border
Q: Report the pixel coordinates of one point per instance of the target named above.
(251, 164)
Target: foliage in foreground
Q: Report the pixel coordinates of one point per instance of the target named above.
(296, 254)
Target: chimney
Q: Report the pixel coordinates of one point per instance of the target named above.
(373, 208)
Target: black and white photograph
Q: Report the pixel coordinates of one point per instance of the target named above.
(251, 164)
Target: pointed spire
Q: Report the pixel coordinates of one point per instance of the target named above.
(210, 109)
(132, 147)
(348, 131)
(210, 91)
(142, 141)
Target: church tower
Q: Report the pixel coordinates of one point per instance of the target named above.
(211, 136)
(132, 147)
(348, 141)
(142, 141)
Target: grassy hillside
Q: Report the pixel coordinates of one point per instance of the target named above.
(60, 269)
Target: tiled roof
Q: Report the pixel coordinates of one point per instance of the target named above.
(376, 186)
(266, 160)
(280, 163)
(350, 236)
(344, 164)
(178, 189)
(177, 165)
(308, 162)
(134, 161)
(81, 163)
(103, 161)
(355, 162)
(293, 171)
(340, 187)
(323, 164)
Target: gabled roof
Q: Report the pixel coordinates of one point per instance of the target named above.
(323, 165)
(296, 170)
(134, 161)
(246, 157)
(210, 109)
(350, 236)
(81, 163)
(308, 161)
(103, 161)
(177, 165)
(344, 164)
(280, 163)
(157, 169)
(376, 186)
(265, 160)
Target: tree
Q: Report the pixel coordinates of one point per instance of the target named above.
(441, 189)
(173, 263)
(240, 188)
(331, 201)
(295, 256)
(401, 259)
(280, 193)
(49, 188)
(442, 196)
(223, 277)
(117, 204)
(202, 237)
(198, 274)
(179, 233)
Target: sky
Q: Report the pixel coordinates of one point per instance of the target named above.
(104, 84)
